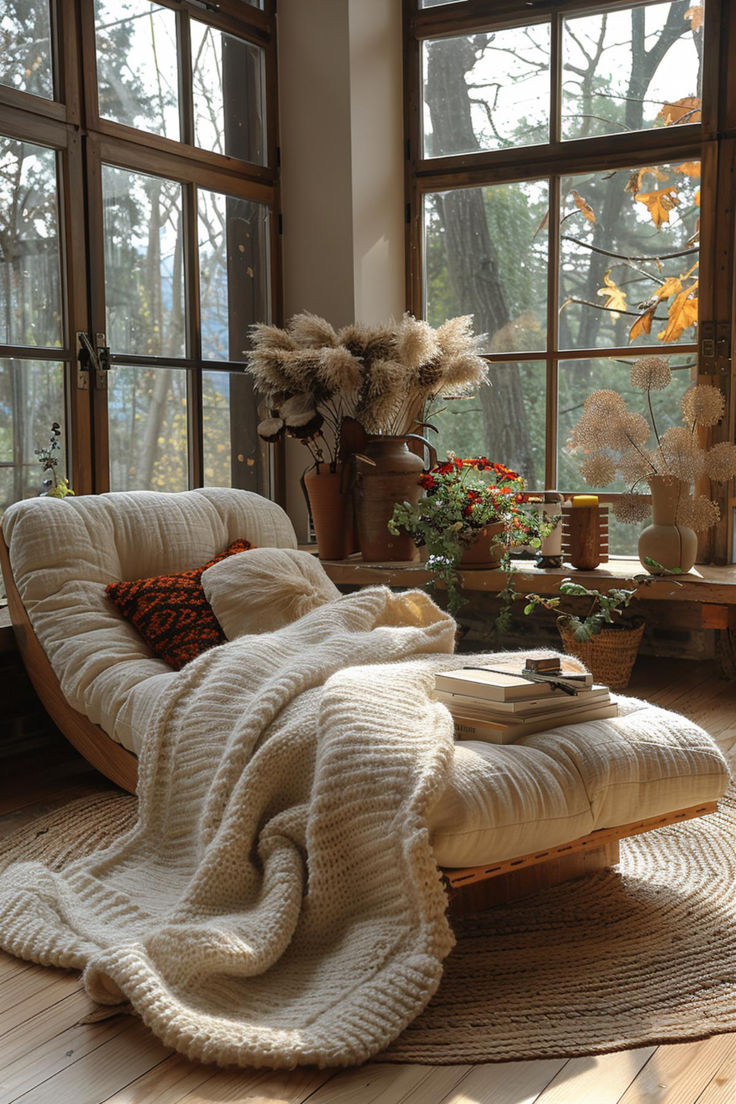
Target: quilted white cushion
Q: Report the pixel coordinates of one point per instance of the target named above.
(551, 787)
(63, 555)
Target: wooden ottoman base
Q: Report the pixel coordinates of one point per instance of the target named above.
(474, 888)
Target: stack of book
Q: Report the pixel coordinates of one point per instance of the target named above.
(500, 705)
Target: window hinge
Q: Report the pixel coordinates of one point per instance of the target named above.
(92, 358)
(714, 348)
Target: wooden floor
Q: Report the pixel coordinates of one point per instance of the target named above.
(54, 1050)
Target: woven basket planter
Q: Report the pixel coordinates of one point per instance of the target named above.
(609, 656)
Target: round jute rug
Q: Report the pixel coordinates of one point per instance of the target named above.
(641, 954)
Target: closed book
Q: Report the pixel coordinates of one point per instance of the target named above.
(491, 732)
(480, 707)
(486, 684)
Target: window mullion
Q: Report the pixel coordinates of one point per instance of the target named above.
(194, 337)
(553, 268)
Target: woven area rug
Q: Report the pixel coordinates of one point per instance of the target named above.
(642, 954)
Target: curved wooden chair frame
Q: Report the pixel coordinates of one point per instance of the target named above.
(470, 889)
(91, 741)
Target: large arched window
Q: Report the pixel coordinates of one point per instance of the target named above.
(571, 186)
(138, 238)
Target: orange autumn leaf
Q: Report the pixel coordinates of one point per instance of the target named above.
(643, 324)
(615, 298)
(682, 314)
(696, 197)
(670, 287)
(686, 110)
(584, 206)
(689, 168)
(636, 178)
(696, 16)
(659, 203)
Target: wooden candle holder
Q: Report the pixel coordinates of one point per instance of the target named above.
(585, 536)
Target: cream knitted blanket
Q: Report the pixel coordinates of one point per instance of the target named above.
(277, 902)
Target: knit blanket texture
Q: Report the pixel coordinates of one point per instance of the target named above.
(277, 902)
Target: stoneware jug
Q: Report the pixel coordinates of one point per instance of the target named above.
(393, 476)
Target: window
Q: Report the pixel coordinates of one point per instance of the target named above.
(138, 219)
(568, 174)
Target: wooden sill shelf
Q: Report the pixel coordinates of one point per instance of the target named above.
(705, 584)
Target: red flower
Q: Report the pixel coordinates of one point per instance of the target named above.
(428, 482)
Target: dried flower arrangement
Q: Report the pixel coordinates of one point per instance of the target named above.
(314, 377)
(615, 441)
(55, 486)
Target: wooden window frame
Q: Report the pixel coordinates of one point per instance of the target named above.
(72, 126)
(712, 142)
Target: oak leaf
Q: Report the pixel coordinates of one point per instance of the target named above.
(584, 206)
(682, 314)
(643, 324)
(686, 110)
(659, 203)
(615, 298)
(696, 16)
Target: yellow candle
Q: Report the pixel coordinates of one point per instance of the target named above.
(585, 500)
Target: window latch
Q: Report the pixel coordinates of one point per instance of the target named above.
(92, 359)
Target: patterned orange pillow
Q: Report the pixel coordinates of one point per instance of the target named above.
(171, 612)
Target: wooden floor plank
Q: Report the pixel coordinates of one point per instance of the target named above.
(20, 1041)
(96, 1075)
(680, 1074)
(506, 1082)
(722, 1087)
(27, 994)
(387, 1084)
(602, 1079)
(177, 1081)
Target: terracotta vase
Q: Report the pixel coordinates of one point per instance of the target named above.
(332, 513)
(392, 477)
(670, 544)
(487, 548)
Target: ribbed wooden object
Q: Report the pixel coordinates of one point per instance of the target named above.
(585, 536)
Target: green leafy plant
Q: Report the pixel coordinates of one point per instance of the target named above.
(55, 486)
(463, 497)
(606, 610)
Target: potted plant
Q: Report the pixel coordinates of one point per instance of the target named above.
(615, 442)
(474, 510)
(360, 390)
(602, 637)
(55, 486)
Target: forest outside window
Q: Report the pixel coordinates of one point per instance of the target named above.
(559, 172)
(138, 193)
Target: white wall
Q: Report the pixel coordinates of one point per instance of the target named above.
(342, 168)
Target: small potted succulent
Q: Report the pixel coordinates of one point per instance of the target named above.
(603, 637)
(473, 512)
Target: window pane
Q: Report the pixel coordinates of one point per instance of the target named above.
(25, 47)
(234, 455)
(147, 418)
(144, 263)
(632, 69)
(577, 380)
(137, 73)
(486, 91)
(228, 71)
(31, 399)
(485, 254)
(629, 256)
(434, 3)
(234, 272)
(30, 295)
(505, 421)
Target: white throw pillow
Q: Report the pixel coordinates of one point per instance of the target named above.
(264, 589)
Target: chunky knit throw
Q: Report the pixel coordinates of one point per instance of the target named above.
(277, 902)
